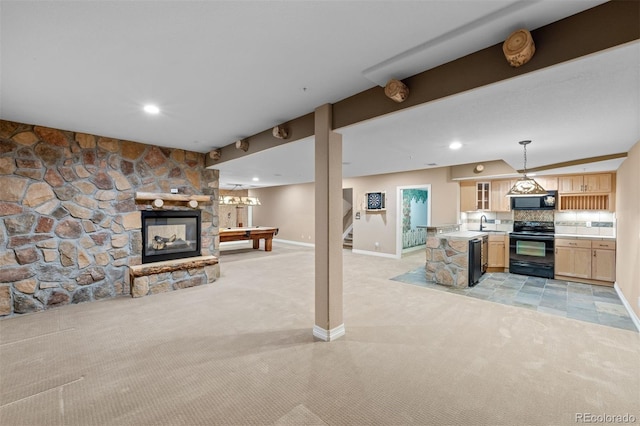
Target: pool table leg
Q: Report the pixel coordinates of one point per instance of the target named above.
(256, 243)
(268, 244)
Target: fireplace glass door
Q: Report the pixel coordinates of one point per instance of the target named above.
(168, 235)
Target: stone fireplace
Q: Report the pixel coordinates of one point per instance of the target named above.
(169, 235)
(70, 216)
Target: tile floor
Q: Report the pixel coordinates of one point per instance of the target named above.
(584, 302)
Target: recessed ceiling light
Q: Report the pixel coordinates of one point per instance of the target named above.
(255, 179)
(151, 109)
(455, 145)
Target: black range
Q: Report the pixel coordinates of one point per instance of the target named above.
(531, 248)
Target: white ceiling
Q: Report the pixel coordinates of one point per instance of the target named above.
(224, 70)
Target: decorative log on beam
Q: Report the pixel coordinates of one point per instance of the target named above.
(280, 132)
(519, 48)
(243, 145)
(216, 154)
(396, 90)
(157, 203)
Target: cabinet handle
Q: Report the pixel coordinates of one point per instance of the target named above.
(573, 244)
(594, 253)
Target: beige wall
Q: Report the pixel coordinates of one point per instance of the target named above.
(628, 228)
(291, 208)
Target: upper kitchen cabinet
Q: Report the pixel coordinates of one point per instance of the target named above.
(550, 183)
(499, 200)
(601, 182)
(474, 196)
(587, 192)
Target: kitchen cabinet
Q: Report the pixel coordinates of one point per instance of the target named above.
(573, 258)
(467, 196)
(603, 262)
(550, 183)
(483, 191)
(583, 260)
(474, 196)
(499, 200)
(601, 182)
(497, 247)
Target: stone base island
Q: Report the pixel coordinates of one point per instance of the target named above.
(447, 255)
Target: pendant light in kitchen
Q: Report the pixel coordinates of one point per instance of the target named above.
(525, 186)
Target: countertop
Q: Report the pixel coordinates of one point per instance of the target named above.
(463, 235)
(585, 237)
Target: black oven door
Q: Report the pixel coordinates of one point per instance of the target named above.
(531, 255)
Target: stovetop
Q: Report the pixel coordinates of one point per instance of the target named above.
(533, 228)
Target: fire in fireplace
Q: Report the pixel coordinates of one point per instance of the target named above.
(168, 234)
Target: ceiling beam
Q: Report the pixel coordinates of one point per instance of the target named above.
(576, 162)
(605, 26)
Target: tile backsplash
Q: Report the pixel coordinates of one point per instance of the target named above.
(586, 223)
(596, 223)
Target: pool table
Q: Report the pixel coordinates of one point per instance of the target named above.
(255, 233)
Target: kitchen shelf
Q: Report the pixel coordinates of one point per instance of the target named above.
(584, 202)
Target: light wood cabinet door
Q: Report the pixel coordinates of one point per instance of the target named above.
(601, 182)
(499, 201)
(570, 184)
(467, 196)
(563, 261)
(603, 262)
(597, 183)
(496, 254)
(550, 183)
(483, 192)
(603, 265)
(573, 258)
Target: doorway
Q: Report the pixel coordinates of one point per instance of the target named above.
(347, 218)
(414, 215)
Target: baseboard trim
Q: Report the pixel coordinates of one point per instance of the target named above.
(328, 335)
(414, 248)
(375, 253)
(295, 243)
(627, 305)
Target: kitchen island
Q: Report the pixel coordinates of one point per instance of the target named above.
(447, 257)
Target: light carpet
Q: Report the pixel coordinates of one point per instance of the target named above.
(240, 352)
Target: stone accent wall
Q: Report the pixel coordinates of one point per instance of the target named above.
(448, 261)
(70, 222)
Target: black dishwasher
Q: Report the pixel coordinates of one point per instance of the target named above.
(475, 261)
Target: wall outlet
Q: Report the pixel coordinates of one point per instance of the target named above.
(588, 224)
(174, 190)
(498, 221)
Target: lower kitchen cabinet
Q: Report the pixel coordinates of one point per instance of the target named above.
(573, 258)
(582, 260)
(603, 265)
(497, 252)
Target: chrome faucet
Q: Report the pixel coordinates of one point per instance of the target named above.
(485, 221)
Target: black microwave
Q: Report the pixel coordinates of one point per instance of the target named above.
(539, 202)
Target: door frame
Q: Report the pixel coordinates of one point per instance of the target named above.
(399, 189)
